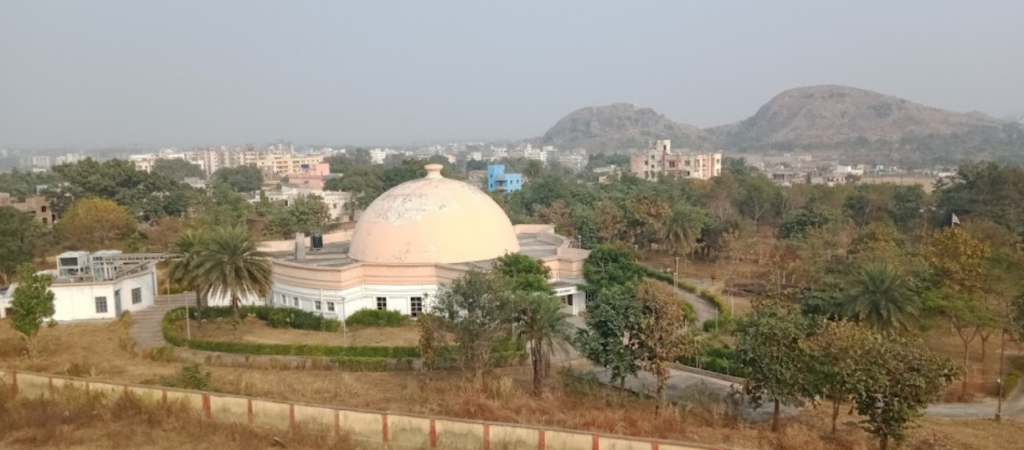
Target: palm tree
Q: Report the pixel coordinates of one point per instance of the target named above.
(232, 266)
(683, 229)
(184, 269)
(542, 325)
(881, 298)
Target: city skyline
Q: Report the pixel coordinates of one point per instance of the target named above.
(123, 74)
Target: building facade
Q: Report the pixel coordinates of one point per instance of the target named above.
(662, 161)
(498, 180)
(35, 205)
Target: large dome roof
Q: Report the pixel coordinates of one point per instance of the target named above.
(432, 220)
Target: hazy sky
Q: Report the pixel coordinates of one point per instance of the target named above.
(93, 73)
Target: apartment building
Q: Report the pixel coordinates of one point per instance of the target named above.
(36, 205)
(661, 160)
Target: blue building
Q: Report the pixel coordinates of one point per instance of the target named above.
(498, 180)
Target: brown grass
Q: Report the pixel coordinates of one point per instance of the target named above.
(92, 350)
(254, 330)
(982, 375)
(926, 182)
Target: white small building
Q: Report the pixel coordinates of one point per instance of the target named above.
(84, 290)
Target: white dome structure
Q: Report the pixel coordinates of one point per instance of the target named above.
(432, 220)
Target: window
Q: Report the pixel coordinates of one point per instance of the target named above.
(317, 305)
(42, 209)
(45, 221)
(671, 164)
(136, 296)
(415, 306)
(382, 303)
(101, 305)
(330, 306)
(295, 302)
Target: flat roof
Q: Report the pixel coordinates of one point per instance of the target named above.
(336, 254)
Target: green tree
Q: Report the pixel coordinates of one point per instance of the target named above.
(22, 239)
(839, 355)
(241, 178)
(95, 224)
(611, 222)
(32, 303)
(646, 216)
(768, 346)
(611, 266)
(177, 169)
(683, 229)
(18, 183)
(525, 274)
(476, 309)
(611, 320)
(232, 266)
(558, 214)
(757, 197)
(542, 325)
(661, 336)
(363, 182)
(147, 196)
(307, 214)
(881, 298)
(903, 377)
(185, 268)
(802, 221)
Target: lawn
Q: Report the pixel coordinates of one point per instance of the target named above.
(252, 329)
(100, 351)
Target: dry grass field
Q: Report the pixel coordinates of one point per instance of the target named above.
(926, 182)
(99, 351)
(254, 330)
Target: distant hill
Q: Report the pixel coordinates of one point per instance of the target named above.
(863, 125)
(840, 117)
(618, 127)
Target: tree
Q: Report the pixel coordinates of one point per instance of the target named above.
(223, 208)
(232, 266)
(660, 336)
(363, 182)
(557, 214)
(839, 353)
(22, 239)
(147, 196)
(307, 214)
(768, 346)
(646, 217)
(241, 178)
(177, 169)
(881, 299)
(611, 266)
(185, 269)
(611, 222)
(958, 261)
(32, 303)
(526, 274)
(606, 340)
(95, 224)
(757, 196)
(902, 379)
(542, 325)
(804, 220)
(476, 309)
(683, 229)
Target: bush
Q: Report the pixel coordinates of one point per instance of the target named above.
(376, 318)
(364, 364)
(723, 312)
(1010, 382)
(190, 377)
(218, 313)
(720, 324)
(718, 359)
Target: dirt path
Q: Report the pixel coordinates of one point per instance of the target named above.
(1013, 407)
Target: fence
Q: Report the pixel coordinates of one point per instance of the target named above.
(389, 430)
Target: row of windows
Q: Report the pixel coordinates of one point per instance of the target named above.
(415, 304)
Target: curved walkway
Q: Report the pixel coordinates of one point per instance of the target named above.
(705, 310)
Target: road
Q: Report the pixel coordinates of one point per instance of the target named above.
(705, 310)
(1012, 407)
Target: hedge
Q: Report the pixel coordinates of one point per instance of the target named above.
(376, 318)
(276, 317)
(686, 286)
(716, 359)
(723, 312)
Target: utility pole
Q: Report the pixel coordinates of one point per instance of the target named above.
(675, 279)
(1002, 356)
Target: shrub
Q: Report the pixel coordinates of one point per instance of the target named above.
(723, 312)
(376, 318)
(718, 359)
(191, 376)
(720, 324)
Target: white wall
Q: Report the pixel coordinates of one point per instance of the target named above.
(348, 300)
(77, 301)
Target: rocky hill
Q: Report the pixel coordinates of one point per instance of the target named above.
(618, 127)
(841, 117)
(864, 125)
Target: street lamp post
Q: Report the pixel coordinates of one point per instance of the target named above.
(675, 279)
(1002, 353)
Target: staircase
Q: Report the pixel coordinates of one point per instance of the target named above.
(146, 323)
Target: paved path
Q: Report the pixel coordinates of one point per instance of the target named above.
(705, 309)
(146, 323)
(1012, 407)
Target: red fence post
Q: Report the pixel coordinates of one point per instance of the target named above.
(654, 446)
(50, 385)
(14, 381)
(291, 417)
(596, 443)
(337, 422)
(487, 436)
(207, 409)
(540, 440)
(248, 407)
(384, 424)
(433, 434)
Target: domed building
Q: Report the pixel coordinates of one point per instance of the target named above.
(411, 240)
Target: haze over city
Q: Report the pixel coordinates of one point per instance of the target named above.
(118, 73)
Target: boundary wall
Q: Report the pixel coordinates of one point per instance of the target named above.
(387, 429)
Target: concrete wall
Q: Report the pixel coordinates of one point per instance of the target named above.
(399, 430)
(77, 301)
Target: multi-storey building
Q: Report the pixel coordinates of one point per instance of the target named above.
(35, 205)
(661, 160)
(498, 180)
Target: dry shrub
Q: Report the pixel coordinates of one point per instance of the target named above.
(933, 441)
